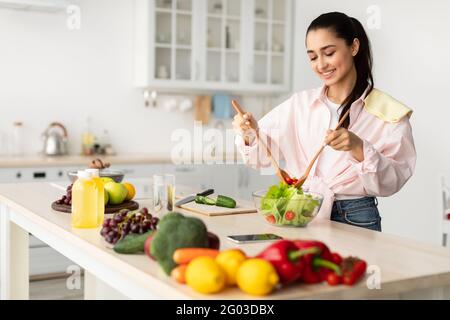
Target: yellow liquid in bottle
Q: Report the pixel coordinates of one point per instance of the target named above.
(101, 200)
(84, 204)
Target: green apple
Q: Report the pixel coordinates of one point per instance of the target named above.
(106, 197)
(117, 192)
(105, 180)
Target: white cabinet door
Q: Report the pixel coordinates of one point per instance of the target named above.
(235, 45)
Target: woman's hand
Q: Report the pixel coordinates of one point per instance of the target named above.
(246, 126)
(344, 140)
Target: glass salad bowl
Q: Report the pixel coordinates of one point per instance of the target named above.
(286, 206)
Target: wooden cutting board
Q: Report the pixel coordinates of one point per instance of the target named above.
(241, 207)
(109, 209)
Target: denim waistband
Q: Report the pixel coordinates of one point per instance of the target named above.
(355, 203)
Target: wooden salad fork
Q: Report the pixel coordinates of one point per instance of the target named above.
(283, 175)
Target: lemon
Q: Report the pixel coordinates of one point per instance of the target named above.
(257, 277)
(205, 275)
(230, 261)
(131, 191)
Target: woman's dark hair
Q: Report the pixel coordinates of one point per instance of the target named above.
(348, 28)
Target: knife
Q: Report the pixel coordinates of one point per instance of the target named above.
(192, 198)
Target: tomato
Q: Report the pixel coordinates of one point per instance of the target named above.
(289, 215)
(291, 181)
(352, 276)
(333, 279)
(271, 219)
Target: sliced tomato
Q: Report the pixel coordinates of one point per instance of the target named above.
(289, 215)
(333, 279)
(271, 219)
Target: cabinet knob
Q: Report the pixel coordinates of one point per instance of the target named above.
(19, 175)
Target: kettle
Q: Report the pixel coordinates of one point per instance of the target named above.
(55, 141)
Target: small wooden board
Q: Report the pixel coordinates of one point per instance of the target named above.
(109, 209)
(241, 207)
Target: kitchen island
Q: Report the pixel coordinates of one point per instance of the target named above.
(400, 268)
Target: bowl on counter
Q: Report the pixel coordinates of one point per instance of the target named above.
(116, 175)
(297, 211)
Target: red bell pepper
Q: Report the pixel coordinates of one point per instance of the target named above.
(317, 265)
(287, 259)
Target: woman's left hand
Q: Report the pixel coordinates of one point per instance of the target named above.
(344, 140)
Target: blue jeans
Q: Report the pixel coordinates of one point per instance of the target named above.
(361, 213)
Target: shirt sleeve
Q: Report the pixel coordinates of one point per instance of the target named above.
(385, 170)
(270, 131)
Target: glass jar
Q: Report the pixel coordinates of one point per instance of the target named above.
(17, 139)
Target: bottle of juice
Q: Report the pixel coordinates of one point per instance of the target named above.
(84, 202)
(95, 175)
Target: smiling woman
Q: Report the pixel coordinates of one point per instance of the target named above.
(372, 154)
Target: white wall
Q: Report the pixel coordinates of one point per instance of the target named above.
(412, 63)
(49, 73)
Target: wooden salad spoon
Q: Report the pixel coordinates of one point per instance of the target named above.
(283, 175)
(302, 180)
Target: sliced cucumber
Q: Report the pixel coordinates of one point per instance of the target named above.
(205, 200)
(226, 202)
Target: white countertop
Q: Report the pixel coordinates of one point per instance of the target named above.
(28, 161)
(405, 265)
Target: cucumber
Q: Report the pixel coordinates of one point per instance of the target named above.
(132, 243)
(204, 200)
(226, 202)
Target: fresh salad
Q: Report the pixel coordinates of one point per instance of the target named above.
(287, 205)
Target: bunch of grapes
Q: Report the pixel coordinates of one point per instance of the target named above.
(67, 198)
(125, 222)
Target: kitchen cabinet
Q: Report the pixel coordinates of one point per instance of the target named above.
(19, 174)
(241, 46)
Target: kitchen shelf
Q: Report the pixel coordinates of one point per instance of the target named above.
(163, 45)
(163, 10)
(183, 47)
(215, 16)
(184, 12)
(278, 22)
(266, 53)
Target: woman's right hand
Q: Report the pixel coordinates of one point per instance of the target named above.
(246, 126)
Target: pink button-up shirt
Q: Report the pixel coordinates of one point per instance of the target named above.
(296, 129)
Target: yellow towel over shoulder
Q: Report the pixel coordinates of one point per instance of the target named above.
(385, 107)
